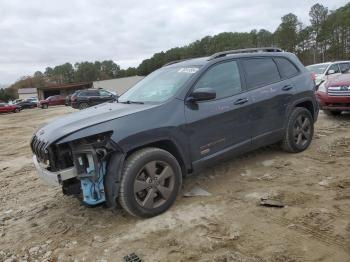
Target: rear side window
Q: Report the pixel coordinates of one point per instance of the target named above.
(287, 69)
(224, 78)
(260, 72)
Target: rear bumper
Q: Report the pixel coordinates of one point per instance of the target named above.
(326, 102)
(53, 178)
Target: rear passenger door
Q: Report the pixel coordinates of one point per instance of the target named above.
(94, 97)
(219, 125)
(270, 95)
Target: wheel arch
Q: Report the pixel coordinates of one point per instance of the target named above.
(169, 146)
(308, 105)
(306, 102)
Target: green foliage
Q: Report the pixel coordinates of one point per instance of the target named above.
(7, 94)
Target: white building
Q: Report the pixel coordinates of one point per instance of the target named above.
(24, 93)
(117, 85)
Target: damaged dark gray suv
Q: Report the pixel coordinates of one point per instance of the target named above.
(176, 121)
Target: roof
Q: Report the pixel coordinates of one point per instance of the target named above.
(22, 91)
(67, 86)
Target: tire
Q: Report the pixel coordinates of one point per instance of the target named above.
(332, 112)
(298, 134)
(156, 193)
(45, 106)
(17, 110)
(83, 105)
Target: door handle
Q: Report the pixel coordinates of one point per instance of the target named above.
(241, 101)
(287, 87)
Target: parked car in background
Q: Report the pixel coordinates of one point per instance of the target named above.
(52, 101)
(177, 121)
(334, 95)
(6, 108)
(90, 97)
(327, 71)
(28, 103)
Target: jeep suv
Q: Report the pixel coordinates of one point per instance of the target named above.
(178, 120)
(90, 97)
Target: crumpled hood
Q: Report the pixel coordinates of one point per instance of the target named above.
(73, 122)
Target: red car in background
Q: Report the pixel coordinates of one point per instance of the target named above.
(334, 95)
(52, 101)
(6, 108)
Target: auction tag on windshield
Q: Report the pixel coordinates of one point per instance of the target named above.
(188, 70)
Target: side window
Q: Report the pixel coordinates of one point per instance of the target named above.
(224, 78)
(334, 67)
(94, 93)
(260, 72)
(104, 93)
(287, 68)
(344, 67)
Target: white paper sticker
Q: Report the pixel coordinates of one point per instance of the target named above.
(188, 70)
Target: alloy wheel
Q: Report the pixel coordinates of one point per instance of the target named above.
(154, 184)
(302, 130)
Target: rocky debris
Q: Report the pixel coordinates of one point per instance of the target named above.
(268, 162)
(271, 203)
(197, 191)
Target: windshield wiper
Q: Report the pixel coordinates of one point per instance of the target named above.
(131, 102)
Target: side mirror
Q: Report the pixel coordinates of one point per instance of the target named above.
(202, 94)
(331, 72)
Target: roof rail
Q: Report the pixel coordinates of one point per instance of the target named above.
(176, 61)
(246, 50)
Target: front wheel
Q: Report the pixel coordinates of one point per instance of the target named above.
(299, 131)
(150, 182)
(44, 106)
(17, 110)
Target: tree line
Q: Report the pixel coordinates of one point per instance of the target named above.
(326, 38)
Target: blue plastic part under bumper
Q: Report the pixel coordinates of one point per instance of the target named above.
(93, 191)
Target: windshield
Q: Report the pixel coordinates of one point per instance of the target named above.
(159, 86)
(318, 69)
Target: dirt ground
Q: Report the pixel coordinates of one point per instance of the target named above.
(38, 223)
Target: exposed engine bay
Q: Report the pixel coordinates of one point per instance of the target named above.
(80, 166)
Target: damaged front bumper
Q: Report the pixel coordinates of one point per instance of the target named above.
(54, 178)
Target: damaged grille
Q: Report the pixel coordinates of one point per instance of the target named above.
(339, 91)
(39, 149)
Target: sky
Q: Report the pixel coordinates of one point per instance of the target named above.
(36, 34)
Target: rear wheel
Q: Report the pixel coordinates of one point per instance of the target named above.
(332, 112)
(150, 182)
(17, 110)
(299, 131)
(83, 105)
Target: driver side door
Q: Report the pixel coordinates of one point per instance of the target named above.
(220, 125)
